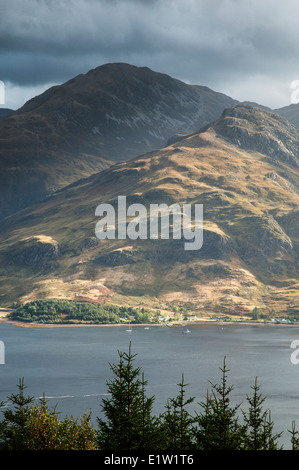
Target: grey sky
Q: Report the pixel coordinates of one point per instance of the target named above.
(247, 49)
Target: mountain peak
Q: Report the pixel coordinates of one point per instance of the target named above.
(111, 113)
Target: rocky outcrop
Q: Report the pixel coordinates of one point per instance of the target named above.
(262, 238)
(115, 258)
(216, 245)
(253, 129)
(37, 252)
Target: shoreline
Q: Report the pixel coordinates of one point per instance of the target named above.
(205, 322)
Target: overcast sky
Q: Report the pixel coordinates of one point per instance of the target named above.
(248, 49)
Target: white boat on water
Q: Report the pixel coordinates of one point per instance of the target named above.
(186, 332)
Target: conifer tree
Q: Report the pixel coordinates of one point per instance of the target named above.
(294, 436)
(12, 428)
(258, 424)
(177, 422)
(218, 424)
(129, 424)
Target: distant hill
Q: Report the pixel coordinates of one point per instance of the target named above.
(243, 167)
(112, 113)
(5, 112)
(291, 113)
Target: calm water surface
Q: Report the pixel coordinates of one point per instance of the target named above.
(71, 365)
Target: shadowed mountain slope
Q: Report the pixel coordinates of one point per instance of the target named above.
(5, 112)
(112, 113)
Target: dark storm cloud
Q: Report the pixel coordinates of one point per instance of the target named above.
(234, 46)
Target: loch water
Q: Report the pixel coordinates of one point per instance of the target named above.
(70, 365)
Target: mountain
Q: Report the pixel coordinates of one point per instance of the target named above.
(112, 113)
(243, 167)
(5, 112)
(291, 113)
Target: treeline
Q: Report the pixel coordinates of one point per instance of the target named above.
(70, 311)
(129, 424)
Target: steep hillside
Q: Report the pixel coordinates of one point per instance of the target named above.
(291, 113)
(111, 113)
(243, 168)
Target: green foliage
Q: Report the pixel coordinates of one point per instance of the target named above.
(69, 311)
(218, 425)
(29, 427)
(294, 436)
(13, 427)
(259, 426)
(129, 423)
(177, 423)
(255, 314)
(45, 431)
